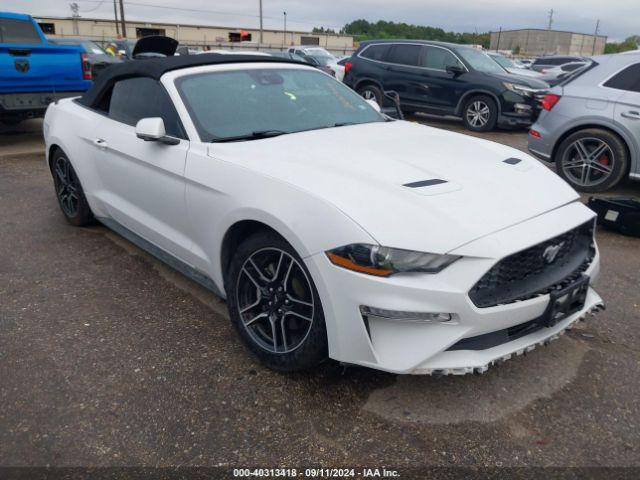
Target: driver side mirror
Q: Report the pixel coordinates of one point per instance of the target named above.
(152, 130)
(455, 70)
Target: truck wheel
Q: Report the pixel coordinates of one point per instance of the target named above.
(480, 113)
(592, 160)
(274, 305)
(69, 191)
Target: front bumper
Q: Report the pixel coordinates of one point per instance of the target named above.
(423, 348)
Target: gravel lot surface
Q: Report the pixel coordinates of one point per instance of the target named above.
(109, 358)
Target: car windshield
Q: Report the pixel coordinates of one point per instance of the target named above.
(479, 60)
(93, 47)
(503, 61)
(246, 104)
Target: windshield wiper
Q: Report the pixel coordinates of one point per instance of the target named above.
(257, 135)
(343, 124)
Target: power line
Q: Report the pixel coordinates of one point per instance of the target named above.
(94, 8)
(217, 12)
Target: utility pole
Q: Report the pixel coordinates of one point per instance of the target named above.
(499, 35)
(261, 39)
(284, 37)
(115, 15)
(549, 30)
(595, 37)
(75, 15)
(122, 21)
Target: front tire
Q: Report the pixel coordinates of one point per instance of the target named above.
(480, 113)
(592, 160)
(371, 92)
(274, 305)
(69, 192)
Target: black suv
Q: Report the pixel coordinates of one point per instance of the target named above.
(445, 79)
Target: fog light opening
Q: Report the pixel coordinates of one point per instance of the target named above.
(413, 317)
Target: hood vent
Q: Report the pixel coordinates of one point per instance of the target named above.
(425, 183)
(512, 161)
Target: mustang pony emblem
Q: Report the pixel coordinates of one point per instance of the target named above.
(551, 252)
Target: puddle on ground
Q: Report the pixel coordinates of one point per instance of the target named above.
(501, 391)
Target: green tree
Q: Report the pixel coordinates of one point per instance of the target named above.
(363, 30)
(630, 43)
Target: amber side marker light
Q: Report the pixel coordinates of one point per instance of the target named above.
(350, 265)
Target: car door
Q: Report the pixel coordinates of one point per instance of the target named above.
(627, 109)
(442, 90)
(144, 180)
(403, 73)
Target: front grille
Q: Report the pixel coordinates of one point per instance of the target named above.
(526, 274)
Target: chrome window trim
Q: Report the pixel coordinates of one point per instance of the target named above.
(410, 66)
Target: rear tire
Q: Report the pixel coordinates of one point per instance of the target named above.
(607, 168)
(274, 304)
(480, 113)
(69, 192)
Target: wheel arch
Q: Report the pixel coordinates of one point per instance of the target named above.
(471, 93)
(235, 235)
(599, 126)
(50, 153)
(367, 81)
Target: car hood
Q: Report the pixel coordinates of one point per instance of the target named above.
(523, 72)
(521, 80)
(155, 44)
(462, 187)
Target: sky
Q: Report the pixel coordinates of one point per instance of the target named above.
(618, 18)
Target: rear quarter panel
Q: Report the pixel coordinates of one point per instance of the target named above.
(72, 127)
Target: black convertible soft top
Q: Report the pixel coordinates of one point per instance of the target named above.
(156, 67)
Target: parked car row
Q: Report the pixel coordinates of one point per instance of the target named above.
(445, 79)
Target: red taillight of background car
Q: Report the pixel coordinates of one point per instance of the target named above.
(86, 66)
(535, 133)
(549, 101)
(347, 67)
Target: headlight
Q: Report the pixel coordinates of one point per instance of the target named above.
(520, 89)
(385, 261)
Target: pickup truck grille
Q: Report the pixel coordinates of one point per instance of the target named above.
(537, 270)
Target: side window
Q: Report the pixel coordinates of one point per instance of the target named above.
(571, 67)
(404, 55)
(136, 98)
(375, 52)
(438, 58)
(628, 79)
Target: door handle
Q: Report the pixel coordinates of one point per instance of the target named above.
(100, 143)
(632, 114)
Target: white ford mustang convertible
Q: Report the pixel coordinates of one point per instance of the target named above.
(415, 251)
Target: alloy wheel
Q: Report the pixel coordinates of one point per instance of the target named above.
(478, 114)
(588, 162)
(67, 186)
(275, 300)
(368, 95)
